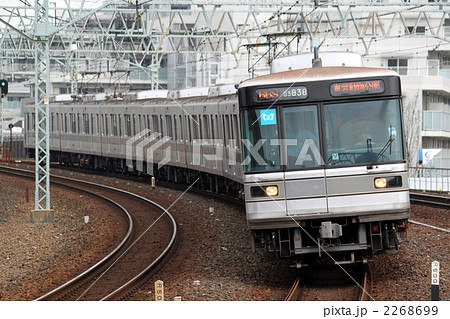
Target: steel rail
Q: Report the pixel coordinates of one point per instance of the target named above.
(432, 200)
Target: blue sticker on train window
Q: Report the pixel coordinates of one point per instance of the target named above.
(268, 117)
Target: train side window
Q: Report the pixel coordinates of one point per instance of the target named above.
(127, 125)
(106, 125)
(73, 126)
(180, 122)
(66, 123)
(134, 125)
(226, 125)
(235, 127)
(52, 122)
(175, 128)
(206, 125)
(92, 124)
(102, 121)
(200, 130)
(169, 125)
(161, 122)
(114, 130)
(140, 123)
(195, 125)
(120, 125)
(98, 124)
(213, 127)
(189, 132)
(57, 122)
(86, 123)
(79, 130)
(155, 123)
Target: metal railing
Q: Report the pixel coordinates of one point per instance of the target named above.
(429, 179)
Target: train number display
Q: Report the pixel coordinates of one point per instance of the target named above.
(281, 94)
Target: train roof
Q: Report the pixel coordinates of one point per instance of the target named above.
(317, 74)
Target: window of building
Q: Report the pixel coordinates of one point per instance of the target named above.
(398, 65)
(420, 30)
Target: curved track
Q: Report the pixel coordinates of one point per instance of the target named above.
(151, 235)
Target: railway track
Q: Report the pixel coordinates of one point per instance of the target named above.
(332, 283)
(151, 236)
(432, 200)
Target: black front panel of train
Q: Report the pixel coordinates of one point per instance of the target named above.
(331, 90)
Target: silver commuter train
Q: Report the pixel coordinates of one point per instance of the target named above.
(317, 153)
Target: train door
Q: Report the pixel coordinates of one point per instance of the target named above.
(305, 173)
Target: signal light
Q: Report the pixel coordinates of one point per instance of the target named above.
(4, 87)
(375, 229)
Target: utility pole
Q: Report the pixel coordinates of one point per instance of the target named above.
(42, 211)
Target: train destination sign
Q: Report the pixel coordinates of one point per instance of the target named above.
(357, 88)
(281, 94)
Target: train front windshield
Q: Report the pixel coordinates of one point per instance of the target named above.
(363, 132)
(261, 136)
(353, 133)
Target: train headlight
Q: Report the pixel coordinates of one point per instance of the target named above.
(264, 191)
(387, 182)
(380, 183)
(272, 190)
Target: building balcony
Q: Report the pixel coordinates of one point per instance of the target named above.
(436, 124)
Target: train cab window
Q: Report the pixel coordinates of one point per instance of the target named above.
(301, 137)
(366, 132)
(261, 140)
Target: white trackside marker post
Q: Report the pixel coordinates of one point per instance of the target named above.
(159, 290)
(435, 281)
